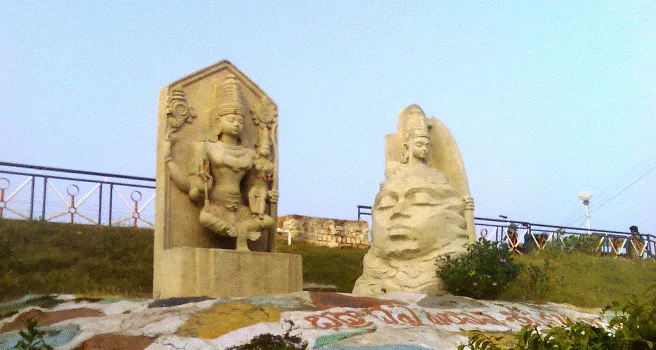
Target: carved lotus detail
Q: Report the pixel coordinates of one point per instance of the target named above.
(267, 113)
(179, 110)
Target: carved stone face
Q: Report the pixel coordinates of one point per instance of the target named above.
(230, 124)
(413, 217)
(418, 148)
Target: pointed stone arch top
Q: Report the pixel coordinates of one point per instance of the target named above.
(220, 68)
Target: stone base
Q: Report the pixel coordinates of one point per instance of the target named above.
(186, 272)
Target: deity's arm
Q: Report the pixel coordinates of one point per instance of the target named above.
(177, 175)
(200, 178)
(191, 179)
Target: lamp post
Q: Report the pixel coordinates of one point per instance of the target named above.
(585, 197)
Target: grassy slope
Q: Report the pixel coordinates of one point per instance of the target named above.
(585, 280)
(37, 257)
(336, 266)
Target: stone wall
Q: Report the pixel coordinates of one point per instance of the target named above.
(325, 232)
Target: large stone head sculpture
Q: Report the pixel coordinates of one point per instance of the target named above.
(415, 214)
(422, 211)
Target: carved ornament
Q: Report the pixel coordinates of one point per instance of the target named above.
(178, 109)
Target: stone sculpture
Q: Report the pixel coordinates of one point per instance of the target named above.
(422, 211)
(218, 167)
(217, 180)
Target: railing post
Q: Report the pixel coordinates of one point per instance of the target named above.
(43, 210)
(111, 195)
(100, 203)
(2, 200)
(361, 211)
(32, 198)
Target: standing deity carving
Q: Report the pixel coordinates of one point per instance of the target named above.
(217, 190)
(226, 167)
(422, 211)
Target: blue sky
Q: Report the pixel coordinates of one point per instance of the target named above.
(545, 99)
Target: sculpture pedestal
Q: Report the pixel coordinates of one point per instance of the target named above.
(225, 273)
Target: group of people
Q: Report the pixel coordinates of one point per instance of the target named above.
(629, 247)
(530, 243)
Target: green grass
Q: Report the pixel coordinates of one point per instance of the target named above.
(336, 266)
(582, 279)
(39, 258)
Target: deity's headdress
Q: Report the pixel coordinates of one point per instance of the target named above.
(412, 123)
(229, 98)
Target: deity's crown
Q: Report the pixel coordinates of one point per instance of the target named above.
(229, 98)
(412, 123)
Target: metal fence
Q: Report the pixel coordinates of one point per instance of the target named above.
(32, 192)
(523, 236)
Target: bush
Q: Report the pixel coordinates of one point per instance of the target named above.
(268, 341)
(482, 273)
(634, 328)
(32, 338)
(582, 243)
(575, 243)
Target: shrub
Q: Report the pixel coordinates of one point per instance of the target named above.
(633, 328)
(575, 243)
(582, 243)
(32, 338)
(268, 341)
(482, 273)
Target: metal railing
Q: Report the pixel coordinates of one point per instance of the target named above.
(363, 210)
(33, 192)
(539, 236)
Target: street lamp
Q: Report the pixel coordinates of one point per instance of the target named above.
(585, 197)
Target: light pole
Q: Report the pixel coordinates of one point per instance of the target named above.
(585, 197)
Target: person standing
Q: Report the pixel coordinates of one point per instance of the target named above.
(636, 243)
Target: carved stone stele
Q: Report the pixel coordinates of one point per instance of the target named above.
(217, 181)
(422, 211)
